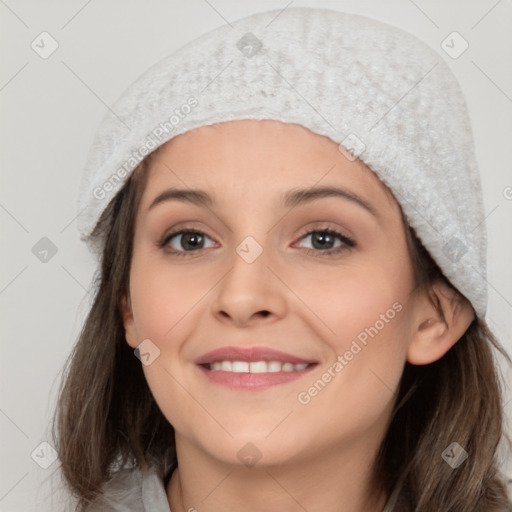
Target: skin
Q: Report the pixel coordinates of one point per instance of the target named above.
(316, 456)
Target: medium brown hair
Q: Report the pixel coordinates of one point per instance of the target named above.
(106, 417)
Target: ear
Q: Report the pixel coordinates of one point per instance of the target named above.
(128, 322)
(437, 327)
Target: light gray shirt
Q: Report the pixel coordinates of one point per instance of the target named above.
(132, 490)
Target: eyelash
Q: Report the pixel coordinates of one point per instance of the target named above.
(349, 243)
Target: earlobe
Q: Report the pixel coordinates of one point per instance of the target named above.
(128, 322)
(439, 325)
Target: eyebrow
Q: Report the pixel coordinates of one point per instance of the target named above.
(289, 199)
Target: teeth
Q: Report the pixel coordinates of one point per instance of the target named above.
(240, 367)
(273, 366)
(226, 366)
(256, 366)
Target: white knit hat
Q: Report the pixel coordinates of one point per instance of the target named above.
(384, 95)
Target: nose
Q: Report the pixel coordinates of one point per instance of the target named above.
(250, 293)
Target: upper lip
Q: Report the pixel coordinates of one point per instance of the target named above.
(250, 354)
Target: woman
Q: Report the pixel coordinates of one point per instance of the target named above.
(269, 374)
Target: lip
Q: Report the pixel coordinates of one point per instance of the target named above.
(251, 381)
(250, 354)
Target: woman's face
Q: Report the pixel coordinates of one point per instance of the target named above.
(257, 269)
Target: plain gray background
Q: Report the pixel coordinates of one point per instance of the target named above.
(51, 108)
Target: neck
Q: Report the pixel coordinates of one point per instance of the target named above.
(338, 480)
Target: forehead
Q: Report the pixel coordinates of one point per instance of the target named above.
(258, 158)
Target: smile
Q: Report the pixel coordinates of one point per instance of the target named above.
(252, 367)
(255, 366)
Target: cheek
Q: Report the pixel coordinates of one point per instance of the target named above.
(164, 301)
(162, 298)
(355, 300)
(366, 312)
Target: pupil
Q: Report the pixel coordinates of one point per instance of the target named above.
(323, 238)
(187, 237)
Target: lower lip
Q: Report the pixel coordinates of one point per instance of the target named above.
(253, 381)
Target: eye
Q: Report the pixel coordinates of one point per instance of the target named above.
(186, 241)
(323, 241)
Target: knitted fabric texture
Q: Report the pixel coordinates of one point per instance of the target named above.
(379, 92)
